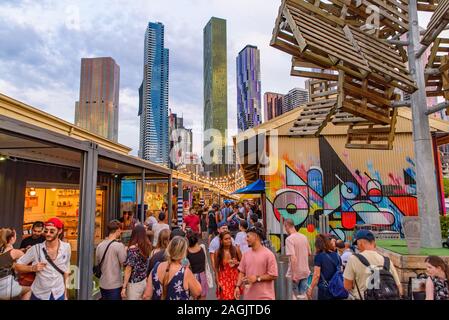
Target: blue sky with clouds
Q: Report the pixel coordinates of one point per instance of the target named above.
(42, 43)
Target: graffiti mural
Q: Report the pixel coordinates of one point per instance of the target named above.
(349, 196)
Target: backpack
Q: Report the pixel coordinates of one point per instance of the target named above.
(212, 222)
(225, 213)
(234, 224)
(385, 287)
(335, 286)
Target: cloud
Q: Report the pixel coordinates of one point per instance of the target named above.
(42, 43)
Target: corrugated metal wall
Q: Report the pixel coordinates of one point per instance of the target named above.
(351, 186)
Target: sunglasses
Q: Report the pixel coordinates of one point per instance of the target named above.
(50, 231)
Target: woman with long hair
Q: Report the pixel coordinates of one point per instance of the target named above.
(326, 263)
(196, 254)
(158, 254)
(227, 259)
(437, 287)
(9, 287)
(136, 264)
(171, 279)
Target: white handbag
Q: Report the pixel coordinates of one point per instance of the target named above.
(209, 276)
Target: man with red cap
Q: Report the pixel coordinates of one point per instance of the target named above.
(51, 262)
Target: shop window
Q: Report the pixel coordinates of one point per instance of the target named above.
(43, 202)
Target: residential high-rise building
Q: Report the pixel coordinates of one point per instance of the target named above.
(294, 98)
(153, 94)
(249, 106)
(215, 87)
(183, 138)
(272, 105)
(97, 108)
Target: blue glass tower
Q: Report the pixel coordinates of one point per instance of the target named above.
(153, 98)
(249, 104)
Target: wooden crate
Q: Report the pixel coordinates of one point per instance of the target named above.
(313, 37)
(319, 111)
(427, 5)
(437, 23)
(365, 108)
(314, 117)
(393, 15)
(372, 136)
(367, 99)
(437, 85)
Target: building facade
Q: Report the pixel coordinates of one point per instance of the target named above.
(215, 87)
(153, 98)
(310, 177)
(294, 98)
(97, 108)
(272, 105)
(249, 106)
(181, 141)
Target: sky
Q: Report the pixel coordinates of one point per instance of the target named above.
(42, 43)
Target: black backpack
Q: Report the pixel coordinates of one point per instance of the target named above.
(212, 222)
(385, 288)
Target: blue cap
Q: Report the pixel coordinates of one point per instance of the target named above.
(222, 224)
(364, 234)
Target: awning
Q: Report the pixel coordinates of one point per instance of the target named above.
(249, 196)
(253, 188)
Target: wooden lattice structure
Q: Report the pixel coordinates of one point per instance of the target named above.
(312, 37)
(365, 70)
(437, 83)
(437, 23)
(367, 110)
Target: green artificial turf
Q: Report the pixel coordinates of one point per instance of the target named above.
(400, 246)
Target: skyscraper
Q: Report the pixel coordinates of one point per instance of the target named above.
(184, 142)
(249, 107)
(272, 105)
(97, 108)
(294, 98)
(153, 94)
(215, 84)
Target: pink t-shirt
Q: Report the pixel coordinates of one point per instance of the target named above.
(258, 263)
(297, 245)
(193, 222)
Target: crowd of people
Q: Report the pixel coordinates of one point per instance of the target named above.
(221, 247)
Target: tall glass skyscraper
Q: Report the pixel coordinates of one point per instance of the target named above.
(249, 106)
(215, 83)
(97, 108)
(153, 94)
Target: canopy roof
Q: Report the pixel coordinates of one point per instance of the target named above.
(254, 188)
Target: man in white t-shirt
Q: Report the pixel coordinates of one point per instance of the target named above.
(151, 220)
(158, 227)
(241, 237)
(215, 243)
(51, 262)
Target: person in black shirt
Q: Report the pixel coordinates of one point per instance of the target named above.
(35, 238)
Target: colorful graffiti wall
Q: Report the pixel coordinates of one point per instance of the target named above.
(303, 190)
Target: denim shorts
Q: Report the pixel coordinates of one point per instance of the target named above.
(301, 287)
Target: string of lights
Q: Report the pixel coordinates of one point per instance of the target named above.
(229, 183)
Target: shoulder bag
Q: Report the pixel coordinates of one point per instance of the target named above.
(52, 263)
(209, 277)
(97, 269)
